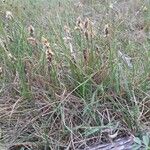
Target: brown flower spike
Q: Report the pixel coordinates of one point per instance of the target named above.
(48, 51)
(85, 56)
(31, 30)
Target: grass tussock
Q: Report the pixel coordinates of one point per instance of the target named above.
(73, 73)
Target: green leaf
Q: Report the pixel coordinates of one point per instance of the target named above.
(136, 146)
(146, 140)
(137, 140)
(22, 148)
(0, 133)
(92, 131)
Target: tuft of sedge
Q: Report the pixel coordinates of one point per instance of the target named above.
(31, 30)
(9, 15)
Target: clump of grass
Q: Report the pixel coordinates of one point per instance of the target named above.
(68, 80)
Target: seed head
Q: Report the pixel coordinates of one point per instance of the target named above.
(79, 5)
(10, 56)
(86, 33)
(31, 30)
(111, 6)
(32, 41)
(88, 29)
(78, 21)
(9, 39)
(86, 23)
(9, 15)
(49, 55)
(85, 56)
(145, 8)
(45, 42)
(79, 24)
(106, 30)
(1, 70)
(67, 29)
(48, 51)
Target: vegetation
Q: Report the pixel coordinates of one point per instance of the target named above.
(73, 73)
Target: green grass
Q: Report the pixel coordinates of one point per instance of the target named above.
(82, 95)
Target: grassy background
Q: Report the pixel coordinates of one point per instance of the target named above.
(63, 90)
